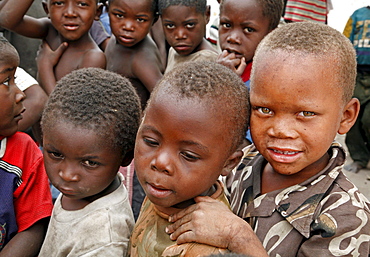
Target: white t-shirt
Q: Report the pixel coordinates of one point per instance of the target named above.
(23, 79)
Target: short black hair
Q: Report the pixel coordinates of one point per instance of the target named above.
(271, 9)
(215, 85)
(96, 99)
(317, 40)
(5, 45)
(200, 5)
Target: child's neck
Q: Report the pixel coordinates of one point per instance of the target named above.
(82, 41)
(182, 205)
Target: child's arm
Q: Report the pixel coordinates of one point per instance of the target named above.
(27, 242)
(147, 67)
(35, 99)
(224, 230)
(229, 60)
(46, 60)
(13, 17)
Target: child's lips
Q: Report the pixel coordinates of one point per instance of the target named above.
(157, 191)
(181, 48)
(67, 191)
(236, 53)
(19, 116)
(126, 39)
(284, 155)
(71, 27)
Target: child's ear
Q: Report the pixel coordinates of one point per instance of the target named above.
(127, 159)
(350, 113)
(45, 7)
(231, 163)
(208, 13)
(99, 10)
(156, 17)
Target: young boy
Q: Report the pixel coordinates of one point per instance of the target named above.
(89, 126)
(193, 124)
(243, 24)
(25, 204)
(184, 25)
(130, 51)
(358, 137)
(290, 186)
(67, 26)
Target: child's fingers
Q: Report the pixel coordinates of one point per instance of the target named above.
(182, 213)
(61, 48)
(240, 69)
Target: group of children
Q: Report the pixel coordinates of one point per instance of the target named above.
(287, 193)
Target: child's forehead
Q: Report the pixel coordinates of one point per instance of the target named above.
(141, 2)
(173, 9)
(294, 72)
(254, 4)
(49, 1)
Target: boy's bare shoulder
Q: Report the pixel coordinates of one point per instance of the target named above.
(147, 53)
(94, 58)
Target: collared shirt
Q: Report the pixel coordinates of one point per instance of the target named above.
(325, 215)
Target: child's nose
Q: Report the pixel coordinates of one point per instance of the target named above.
(67, 173)
(283, 129)
(162, 163)
(180, 34)
(233, 37)
(128, 25)
(69, 10)
(19, 95)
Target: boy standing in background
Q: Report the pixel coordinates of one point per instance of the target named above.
(131, 52)
(184, 25)
(243, 24)
(66, 28)
(358, 137)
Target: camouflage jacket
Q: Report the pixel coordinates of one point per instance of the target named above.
(325, 215)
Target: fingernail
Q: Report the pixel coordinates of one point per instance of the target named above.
(166, 230)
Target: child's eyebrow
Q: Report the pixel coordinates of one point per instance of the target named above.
(150, 128)
(142, 15)
(190, 20)
(7, 70)
(196, 144)
(117, 10)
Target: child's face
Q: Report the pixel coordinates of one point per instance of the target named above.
(242, 27)
(181, 149)
(130, 21)
(11, 97)
(79, 162)
(72, 18)
(184, 28)
(297, 109)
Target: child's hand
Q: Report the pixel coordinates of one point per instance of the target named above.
(231, 61)
(46, 55)
(211, 222)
